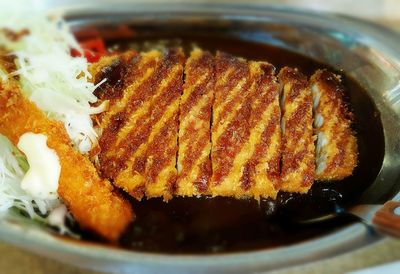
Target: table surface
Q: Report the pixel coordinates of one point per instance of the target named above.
(15, 261)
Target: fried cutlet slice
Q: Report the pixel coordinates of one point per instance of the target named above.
(245, 129)
(298, 152)
(336, 148)
(194, 163)
(139, 131)
(123, 133)
(265, 140)
(161, 173)
(90, 199)
(230, 130)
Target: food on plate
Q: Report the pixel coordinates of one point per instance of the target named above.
(242, 131)
(156, 124)
(265, 140)
(91, 200)
(336, 148)
(245, 129)
(298, 151)
(138, 141)
(194, 162)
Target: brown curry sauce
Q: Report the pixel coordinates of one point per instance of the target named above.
(215, 225)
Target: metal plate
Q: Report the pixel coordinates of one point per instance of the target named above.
(366, 52)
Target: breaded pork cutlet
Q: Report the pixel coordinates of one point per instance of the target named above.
(245, 129)
(265, 140)
(231, 113)
(194, 163)
(336, 149)
(90, 199)
(298, 152)
(138, 141)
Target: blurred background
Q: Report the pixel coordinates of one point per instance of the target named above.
(384, 12)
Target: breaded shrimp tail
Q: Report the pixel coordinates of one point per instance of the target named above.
(91, 200)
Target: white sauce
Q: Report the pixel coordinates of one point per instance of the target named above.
(41, 180)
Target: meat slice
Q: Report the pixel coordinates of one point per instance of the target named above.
(245, 130)
(123, 131)
(90, 199)
(336, 149)
(162, 144)
(265, 140)
(194, 162)
(298, 152)
(138, 141)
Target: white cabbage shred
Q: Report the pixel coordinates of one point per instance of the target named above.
(50, 77)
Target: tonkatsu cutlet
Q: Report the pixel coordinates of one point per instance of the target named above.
(162, 146)
(265, 140)
(194, 163)
(336, 149)
(90, 199)
(245, 129)
(155, 137)
(231, 113)
(298, 152)
(138, 143)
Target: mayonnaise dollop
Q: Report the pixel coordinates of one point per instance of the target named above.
(41, 180)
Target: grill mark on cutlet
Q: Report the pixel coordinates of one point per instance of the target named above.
(161, 114)
(261, 169)
(233, 78)
(298, 158)
(160, 170)
(127, 160)
(228, 143)
(138, 163)
(195, 113)
(119, 113)
(111, 159)
(251, 166)
(194, 158)
(141, 127)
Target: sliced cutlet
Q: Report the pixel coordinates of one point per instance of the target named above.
(125, 127)
(298, 152)
(246, 129)
(194, 163)
(139, 128)
(231, 114)
(162, 144)
(336, 148)
(265, 135)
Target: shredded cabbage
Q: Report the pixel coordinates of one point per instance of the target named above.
(57, 82)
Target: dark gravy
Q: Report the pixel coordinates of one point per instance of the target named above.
(214, 225)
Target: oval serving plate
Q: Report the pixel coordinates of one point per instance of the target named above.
(363, 51)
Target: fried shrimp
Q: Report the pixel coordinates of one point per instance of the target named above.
(90, 199)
